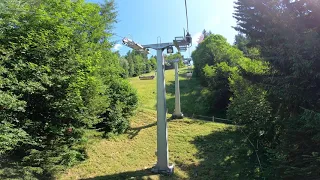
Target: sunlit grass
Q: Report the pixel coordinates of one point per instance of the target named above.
(135, 150)
(128, 156)
(190, 90)
(146, 91)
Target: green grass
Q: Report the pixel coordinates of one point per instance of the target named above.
(190, 90)
(199, 149)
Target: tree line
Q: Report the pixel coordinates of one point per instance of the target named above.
(268, 82)
(135, 63)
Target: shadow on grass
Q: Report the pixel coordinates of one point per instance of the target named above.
(139, 174)
(133, 132)
(194, 98)
(122, 176)
(225, 155)
(222, 154)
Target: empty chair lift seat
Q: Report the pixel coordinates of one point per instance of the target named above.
(189, 74)
(146, 77)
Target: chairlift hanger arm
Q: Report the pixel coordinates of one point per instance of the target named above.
(130, 43)
(158, 46)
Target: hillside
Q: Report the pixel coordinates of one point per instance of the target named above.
(199, 149)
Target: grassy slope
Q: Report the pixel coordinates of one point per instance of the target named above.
(190, 91)
(199, 150)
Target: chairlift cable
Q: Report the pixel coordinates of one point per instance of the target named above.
(118, 36)
(185, 3)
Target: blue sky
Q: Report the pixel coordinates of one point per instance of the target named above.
(145, 20)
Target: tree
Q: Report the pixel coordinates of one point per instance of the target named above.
(138, 63)
(56, 76)
(147, 65)
(153, 62)
(206, 34)
(212, 50)
(241, 43)
(125, 65)
(129, 58)
(286, 33)
(169, 60)
(215, 60)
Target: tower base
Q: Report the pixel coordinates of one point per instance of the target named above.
(167, 171)
(177, 116)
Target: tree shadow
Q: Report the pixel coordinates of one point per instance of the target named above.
(145, 174)
(139, 174)
(122, 176)
(225, 155)
(194, 98)
(133, 132)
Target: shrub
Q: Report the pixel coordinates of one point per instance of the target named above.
(124, 101)
(218, 84)
(249, 107)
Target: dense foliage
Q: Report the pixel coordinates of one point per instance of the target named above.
(135, 64)
(214, 62)
(287, 34)
(169, 60)
(57, 77)
(272, 87)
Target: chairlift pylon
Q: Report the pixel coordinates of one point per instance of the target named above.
(181, 43)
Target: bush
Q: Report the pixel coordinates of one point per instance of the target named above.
(249, 107)
(218, 84)
(124, 102)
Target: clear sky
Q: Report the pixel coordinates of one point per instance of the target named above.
(145, 20)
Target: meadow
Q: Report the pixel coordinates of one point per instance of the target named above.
(198, 149)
